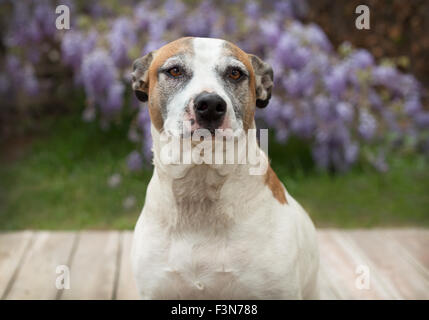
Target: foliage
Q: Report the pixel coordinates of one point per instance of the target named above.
(343, 104)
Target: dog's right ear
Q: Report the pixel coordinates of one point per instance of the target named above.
(140, 76)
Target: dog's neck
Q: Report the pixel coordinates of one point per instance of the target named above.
(201, 196)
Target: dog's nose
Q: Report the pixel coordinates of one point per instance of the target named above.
(209, 107)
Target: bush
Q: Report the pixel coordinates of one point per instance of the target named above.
(341, 102)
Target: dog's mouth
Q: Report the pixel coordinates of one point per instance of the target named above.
(195, 135)
(202, 127)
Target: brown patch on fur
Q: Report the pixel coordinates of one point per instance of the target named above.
(155, 114)
(273, 182)
(161, 55)
(248, 121)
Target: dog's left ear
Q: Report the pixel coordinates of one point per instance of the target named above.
(140, 76)
(263, 80)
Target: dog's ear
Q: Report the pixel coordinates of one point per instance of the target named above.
(140, 76)
(263, 80)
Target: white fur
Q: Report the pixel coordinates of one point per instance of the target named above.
(207, 56)
(216, 232)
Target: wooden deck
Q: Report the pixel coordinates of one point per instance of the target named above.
(397, 261)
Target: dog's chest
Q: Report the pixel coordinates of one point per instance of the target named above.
(197, 267)
(194, 268)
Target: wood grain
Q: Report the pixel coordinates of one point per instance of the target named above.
(93, 266)
(126, 287)
(37, 275)
(13, 246)
(100, 264)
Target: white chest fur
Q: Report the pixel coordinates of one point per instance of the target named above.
(199, 266)
(257, 250)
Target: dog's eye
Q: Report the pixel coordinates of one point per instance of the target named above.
(175, 72)
(235, 74)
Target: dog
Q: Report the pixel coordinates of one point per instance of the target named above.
(214, 231)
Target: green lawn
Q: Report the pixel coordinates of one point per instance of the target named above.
(60, 181)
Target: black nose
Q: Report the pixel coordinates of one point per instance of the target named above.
(209, 108)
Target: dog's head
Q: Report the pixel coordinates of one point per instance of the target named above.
(211, 83)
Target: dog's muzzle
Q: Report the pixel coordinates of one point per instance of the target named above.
(210, 110)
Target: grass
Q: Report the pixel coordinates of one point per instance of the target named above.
(59, 181)
(362, 197)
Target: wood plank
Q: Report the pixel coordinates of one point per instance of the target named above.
(330, 283)
(93, 267)
(340, 260)
(328, 289)
(37, 275)
(390, 262)
(101, 268)
(414, 241)
(332, 262)
(380, 284)
(126, 285)
(13, 246)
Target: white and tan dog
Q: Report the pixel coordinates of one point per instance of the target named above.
(215, 231)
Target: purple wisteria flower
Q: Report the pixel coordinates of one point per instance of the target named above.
(367, 125)
(345, 111)
(31, 23)
(270, 32)
(315, 36)
(22, 77)
(99, 73)
(143, 16)
(336, 80)
(253, 10)
(386, 76)
(100, 79)
(422, 120)
(121, 38)
(202, 23)
(173, 10)
(339, 101)
(361, 59)
(114, 101)
(135, 161)
(299, 83)
(75, 46)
